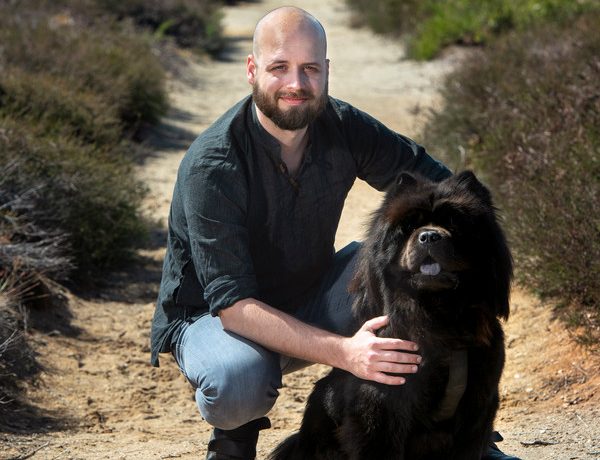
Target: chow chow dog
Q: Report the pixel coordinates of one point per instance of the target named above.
(436, 262)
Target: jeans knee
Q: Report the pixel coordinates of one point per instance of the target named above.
(237, 400)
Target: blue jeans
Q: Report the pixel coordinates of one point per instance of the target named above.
(237, 380)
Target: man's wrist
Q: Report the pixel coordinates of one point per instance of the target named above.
(339, 353)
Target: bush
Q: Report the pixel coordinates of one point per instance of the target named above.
(17, 360)
(109, 73)
(525, 114)
(52, 103)
(388, 16)
(77, 82)
(433, 24)
(77, 191)
(191, 23)
(71, 92)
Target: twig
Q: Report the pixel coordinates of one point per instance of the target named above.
(60, 455)
(539, 442)
(33, 452)
(4, 346)
(580, 369)
(582, 420)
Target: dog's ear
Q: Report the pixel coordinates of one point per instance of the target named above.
(398, 198)
(404, 181)
(467, 180)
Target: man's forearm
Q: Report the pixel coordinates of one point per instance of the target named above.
(364, 354)
(283, 333)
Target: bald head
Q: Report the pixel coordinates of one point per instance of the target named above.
(274, 29)
(288, 69)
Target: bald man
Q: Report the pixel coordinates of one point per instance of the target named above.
(252, 287)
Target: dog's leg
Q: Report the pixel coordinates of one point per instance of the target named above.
(472, 443)
(316, 439)
(313, 442)
(378, 444)
(373, 428)
(480, 403)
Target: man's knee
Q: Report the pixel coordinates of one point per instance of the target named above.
(239, 395)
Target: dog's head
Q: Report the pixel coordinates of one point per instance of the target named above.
(429, 238)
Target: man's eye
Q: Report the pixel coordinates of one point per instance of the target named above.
(310, 68)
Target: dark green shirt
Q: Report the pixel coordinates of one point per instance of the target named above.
(240, 226)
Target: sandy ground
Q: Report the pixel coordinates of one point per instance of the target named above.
(97, 375)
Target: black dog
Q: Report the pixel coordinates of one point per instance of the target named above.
(435, 261)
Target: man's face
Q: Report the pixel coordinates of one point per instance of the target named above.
(289, 78)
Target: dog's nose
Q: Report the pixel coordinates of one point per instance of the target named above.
(429, 236)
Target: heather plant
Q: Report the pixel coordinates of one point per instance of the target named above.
(525, 114)
(17, 359)
(110, 73)
(86, 196)
(53, 104)
(29, 256)
(191, 23)
(431, 25)
(78, 81)
(388, 16)
(69, 98)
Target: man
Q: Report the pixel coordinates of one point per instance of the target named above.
(251, 286)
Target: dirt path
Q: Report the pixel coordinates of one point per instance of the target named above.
(121, 408)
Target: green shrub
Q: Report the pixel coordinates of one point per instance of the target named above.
(71, 91)
(430, 25)
(192, 23)
(75, 84)
(53, 103)
(86, 195)
(112, 71)
(459, 21)
(525, 114)
(388, 16)
(17, 359)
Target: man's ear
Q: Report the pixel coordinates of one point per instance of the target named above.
(251, 69)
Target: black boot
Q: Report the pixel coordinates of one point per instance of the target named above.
(493, 453)
(237, 444)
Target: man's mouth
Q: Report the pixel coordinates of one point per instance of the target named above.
(294, 98)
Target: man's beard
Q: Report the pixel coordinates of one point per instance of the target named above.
(293, 118)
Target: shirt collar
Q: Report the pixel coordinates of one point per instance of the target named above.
(263, 136)
(271, 144)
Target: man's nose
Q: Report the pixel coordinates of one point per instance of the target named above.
(297, 79)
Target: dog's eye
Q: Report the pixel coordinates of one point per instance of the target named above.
(448, 217)
(413, 221)
(455, 222)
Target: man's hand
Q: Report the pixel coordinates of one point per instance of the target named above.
(374, 358)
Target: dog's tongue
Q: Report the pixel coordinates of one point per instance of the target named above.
(431, 269)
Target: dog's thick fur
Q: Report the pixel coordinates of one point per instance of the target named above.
(435, 261)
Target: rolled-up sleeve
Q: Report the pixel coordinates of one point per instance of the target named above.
(215, 205)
